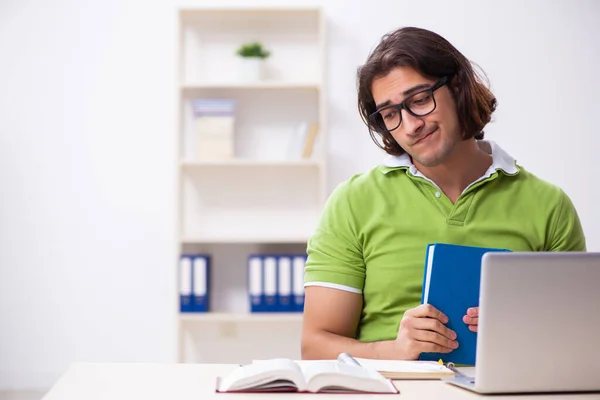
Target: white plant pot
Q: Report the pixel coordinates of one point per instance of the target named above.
(251, 69)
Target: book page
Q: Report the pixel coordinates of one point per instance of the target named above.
(264, 374)
(334, 375)
(311, 368)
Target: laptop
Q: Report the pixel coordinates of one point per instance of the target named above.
(539, 324)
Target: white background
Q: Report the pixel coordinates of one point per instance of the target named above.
(87, 151)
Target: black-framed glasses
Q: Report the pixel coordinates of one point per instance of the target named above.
(418, 104)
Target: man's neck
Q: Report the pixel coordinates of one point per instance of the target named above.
(467, 164)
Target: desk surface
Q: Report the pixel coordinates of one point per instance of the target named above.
(197, 382)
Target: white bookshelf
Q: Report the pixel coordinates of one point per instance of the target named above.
(240, 162)
(240, 239)
(242, 317)
(251, 86)
(267, 197)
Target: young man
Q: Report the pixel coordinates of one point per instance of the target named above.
(440, 183)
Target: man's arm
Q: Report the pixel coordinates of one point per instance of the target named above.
(566, 233)
(331, 318)
(331, 314)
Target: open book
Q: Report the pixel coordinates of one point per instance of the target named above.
(281, 375)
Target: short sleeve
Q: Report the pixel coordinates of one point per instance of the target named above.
(566, 230)
(334, 254)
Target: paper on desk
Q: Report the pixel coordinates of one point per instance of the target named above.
(402, 365)
(402, 369)
(387, 365)
(394, 369)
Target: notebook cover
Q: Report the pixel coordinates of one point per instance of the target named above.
(453, 288)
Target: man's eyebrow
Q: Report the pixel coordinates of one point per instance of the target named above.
(415, 88)
(408, 91)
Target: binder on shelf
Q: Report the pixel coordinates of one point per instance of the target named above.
(298, 282)
(200, 299)
(185, 284)
(284, 284)
(276, 283)
(270, 283)
(255, 283)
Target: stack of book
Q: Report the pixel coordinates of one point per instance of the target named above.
(215, 126)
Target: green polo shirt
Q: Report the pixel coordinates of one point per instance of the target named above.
(374, 229)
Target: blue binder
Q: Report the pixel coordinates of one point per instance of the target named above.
(270, 283)
(201, 279)
(255, 283)
(284, 283)
(185, 283)
(451, 284)
(276, 282)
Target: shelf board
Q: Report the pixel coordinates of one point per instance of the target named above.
(249, 9)
(243, 239)
(250, 163)
(195, 13)
(240, 317)
(252, 85)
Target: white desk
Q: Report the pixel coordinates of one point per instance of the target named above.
(197, 382)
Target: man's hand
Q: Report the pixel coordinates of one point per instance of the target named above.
(422, 330)
(472, 318)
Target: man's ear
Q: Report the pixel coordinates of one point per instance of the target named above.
(454, 83)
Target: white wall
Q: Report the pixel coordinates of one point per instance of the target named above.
(87, 162)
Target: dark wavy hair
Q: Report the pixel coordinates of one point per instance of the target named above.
(433, 57)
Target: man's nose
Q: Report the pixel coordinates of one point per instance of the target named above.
(412, 125)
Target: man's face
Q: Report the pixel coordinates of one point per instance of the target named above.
(430, 140)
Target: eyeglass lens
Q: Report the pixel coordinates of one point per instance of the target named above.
(420, 104)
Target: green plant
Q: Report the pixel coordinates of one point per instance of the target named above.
(253, 50)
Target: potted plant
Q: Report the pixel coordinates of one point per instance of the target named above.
(253, 56)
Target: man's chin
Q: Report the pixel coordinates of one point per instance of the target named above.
(427, 162)
(432, 158)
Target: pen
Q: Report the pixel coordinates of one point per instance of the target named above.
(348, 359)
(450, 366)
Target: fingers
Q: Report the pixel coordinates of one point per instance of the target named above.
(433, 325)
(427, 310)
(472, 318)
(429, 330)
(473, 312)
(435, 339)
(423, 330)
(428, 347)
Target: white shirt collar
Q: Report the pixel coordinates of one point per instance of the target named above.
(501, 160)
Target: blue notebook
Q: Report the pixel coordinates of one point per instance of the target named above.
(451, 284)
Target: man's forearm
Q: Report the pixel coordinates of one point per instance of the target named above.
(327, 345)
